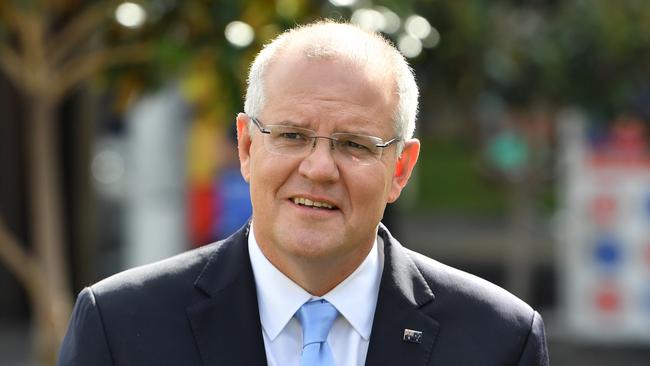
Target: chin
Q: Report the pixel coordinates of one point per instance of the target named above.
(312, 247)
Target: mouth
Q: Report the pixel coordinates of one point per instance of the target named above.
(302, 201)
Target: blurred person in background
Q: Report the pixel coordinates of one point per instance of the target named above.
(313, 278)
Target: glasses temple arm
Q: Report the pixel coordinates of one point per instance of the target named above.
(388, 143)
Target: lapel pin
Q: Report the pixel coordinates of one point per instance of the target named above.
(412, 336)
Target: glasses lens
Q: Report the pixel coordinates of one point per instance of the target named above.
(288, 140)
(296, 141)
(358, 148)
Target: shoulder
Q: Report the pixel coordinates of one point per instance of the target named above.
(175, 282)
(180, 270)
(140, 315)
(466, 296)
(149, 300)
(470, 309)
(178, 280)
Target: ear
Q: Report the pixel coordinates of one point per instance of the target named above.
(403, 168)
(244, 145)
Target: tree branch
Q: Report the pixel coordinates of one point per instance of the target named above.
(51, 309)
(18, 261)
(31, 33)
(13, 62)
(11, 17)
(13, 67)
(78, 29)
(84, 67)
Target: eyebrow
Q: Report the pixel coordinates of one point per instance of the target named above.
(293, 123)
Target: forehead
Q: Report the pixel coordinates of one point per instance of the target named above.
(334, 88)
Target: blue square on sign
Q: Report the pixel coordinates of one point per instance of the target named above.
(608, 251)
(645, 301)
(647, 206)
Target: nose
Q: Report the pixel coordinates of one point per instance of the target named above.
(319, 164)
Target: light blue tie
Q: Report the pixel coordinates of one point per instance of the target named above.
(316, 319)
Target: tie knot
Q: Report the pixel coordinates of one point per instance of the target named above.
(316, 319)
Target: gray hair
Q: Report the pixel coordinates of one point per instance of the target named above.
(329, 39)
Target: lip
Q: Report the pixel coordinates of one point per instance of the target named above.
(312, 216)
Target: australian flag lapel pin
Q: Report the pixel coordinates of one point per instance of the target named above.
(412, 336)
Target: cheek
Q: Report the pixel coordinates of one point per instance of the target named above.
(260, 176)
(369, 190)
(268, 173)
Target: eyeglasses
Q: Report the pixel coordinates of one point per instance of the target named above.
(296, 141)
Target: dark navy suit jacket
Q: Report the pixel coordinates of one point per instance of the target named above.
(200, 308)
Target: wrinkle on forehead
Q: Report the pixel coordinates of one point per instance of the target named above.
(332, 86)
(344, 77)
(315, 113)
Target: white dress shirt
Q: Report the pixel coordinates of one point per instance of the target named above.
(279, 298)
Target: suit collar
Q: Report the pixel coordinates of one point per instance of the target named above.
(227, 327)
(403, 303)
(227, 264)
(226, 324)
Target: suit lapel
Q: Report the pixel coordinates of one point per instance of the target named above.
(227, 325)
(404, 298)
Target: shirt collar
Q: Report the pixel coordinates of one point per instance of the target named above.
(279, 297)
(356, 297)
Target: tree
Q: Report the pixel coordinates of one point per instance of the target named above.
(45, 61)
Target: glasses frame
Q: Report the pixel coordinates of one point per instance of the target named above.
(383, 144)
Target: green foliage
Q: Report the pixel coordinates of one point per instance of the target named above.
(593, 53)
(451, 182)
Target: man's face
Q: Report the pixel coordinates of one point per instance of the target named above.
(326, 96)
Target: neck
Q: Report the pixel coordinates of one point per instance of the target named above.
(317, 276)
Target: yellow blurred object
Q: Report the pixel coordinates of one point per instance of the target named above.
(201, 82)
(288, 9)
(203, 140)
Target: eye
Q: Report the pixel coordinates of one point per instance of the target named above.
(292, 135)
(355, 145)
(289, 134)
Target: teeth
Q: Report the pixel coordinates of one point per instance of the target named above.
(307, 202)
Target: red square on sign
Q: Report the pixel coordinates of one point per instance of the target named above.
(608, 299)
(603, 208)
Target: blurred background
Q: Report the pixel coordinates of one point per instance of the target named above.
(117, 148)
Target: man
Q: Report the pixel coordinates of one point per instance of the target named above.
(314, 278)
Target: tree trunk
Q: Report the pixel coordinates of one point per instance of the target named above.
(52, 304)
